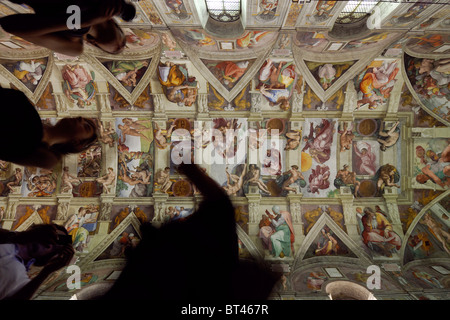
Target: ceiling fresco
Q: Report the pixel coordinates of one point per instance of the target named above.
(346, 135)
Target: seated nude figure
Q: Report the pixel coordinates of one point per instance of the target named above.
(106, 133)
(346, 137)
(348, 178)
(17, 181)
(107, 180)
(295, 175)
(254, 178)
(387, 177)
(293, 139)
(162, 178)
(389, 138)
(163, 136)
(68, 180)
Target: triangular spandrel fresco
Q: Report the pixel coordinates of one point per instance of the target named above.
(128, 72)
(228, 73)
(327, 74)
(29, 71)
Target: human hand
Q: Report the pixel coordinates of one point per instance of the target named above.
(61, 260)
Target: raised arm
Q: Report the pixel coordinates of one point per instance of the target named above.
(356, 150)
(206, 185)
(394, 127)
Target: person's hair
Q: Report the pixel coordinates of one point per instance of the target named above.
(73, 147)
(82, 208)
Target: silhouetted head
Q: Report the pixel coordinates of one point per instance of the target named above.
(75, 135)
(43, 252)
(128, 12)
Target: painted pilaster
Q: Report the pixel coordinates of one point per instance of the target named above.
(351, 224)
(390, 196)
(62, 213)
(10, 213)
(255, 110)
(350, 104)
(202, 107)
(296, 214)
(159, 207)
(254, 216)
(159, 110)
(105, 213)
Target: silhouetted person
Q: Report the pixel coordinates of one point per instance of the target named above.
(46, 233)
(25, 140)
(47, 27)
(43, 245)
(194, 259)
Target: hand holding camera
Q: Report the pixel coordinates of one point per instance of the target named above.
(60, 260)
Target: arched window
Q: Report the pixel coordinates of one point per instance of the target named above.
(224, 10)
(356, 10)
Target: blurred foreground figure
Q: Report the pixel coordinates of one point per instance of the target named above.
(50, 25)
(193, 259)
(44, 245)
(26, 141)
